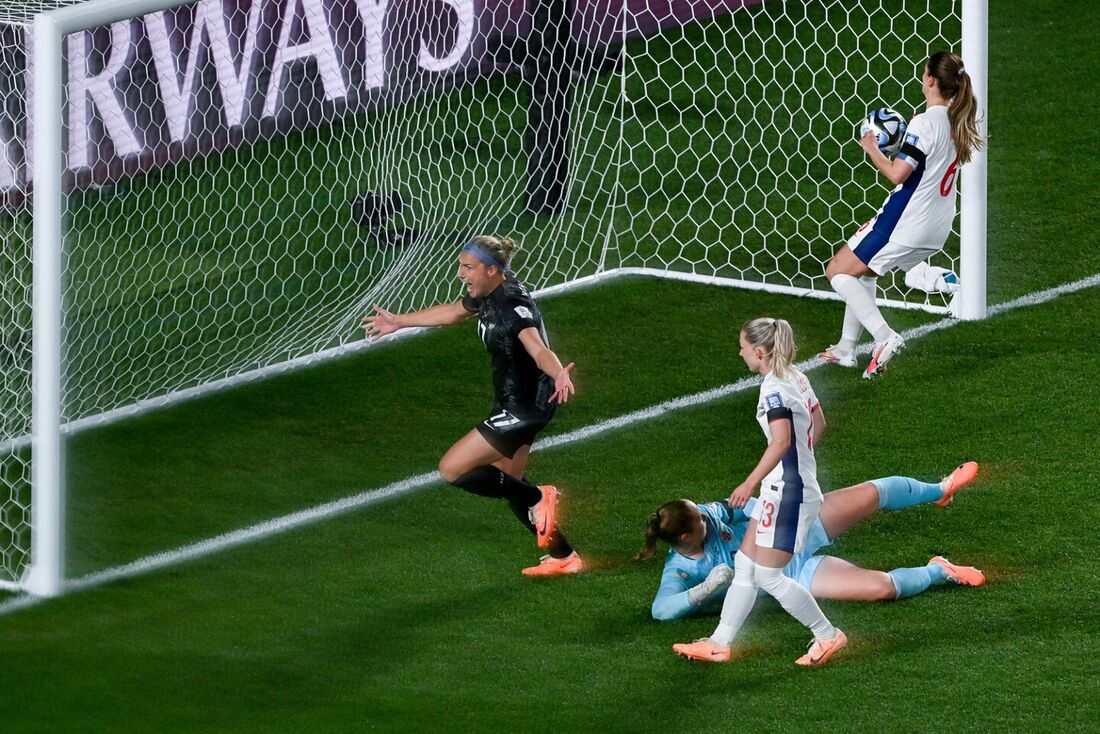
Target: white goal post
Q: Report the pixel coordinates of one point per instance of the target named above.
(195, 165)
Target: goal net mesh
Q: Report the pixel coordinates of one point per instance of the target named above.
(244, 179)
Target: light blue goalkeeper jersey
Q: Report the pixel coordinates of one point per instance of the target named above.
(725, 530)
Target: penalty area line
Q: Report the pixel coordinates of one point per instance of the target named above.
(409, 485)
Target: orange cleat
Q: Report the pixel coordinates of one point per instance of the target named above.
(549, 566)
(821, 650)
(544, 514)
(962, 575)
(705, 649)
(963, 475)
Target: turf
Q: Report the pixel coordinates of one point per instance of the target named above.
(411, 615)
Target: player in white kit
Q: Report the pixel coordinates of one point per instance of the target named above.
(790, 415)
(914, 221)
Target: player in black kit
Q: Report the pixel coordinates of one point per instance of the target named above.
(528, 380)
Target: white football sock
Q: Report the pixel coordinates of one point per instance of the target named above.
(738, 603)
(863, 305)
(849, 333)
(798, 602)
(852, 329)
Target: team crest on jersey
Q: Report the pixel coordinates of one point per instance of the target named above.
(773, 400)
(524, 312)
(683, 574)
(483, 330)
(911, 138)
(726, 536)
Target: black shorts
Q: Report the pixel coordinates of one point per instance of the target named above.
(508, 430)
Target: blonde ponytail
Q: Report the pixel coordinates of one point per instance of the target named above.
(776, 338)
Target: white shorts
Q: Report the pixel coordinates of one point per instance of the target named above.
(882, 255)
(783, 523)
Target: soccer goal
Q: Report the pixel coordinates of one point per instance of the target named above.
(200, 194)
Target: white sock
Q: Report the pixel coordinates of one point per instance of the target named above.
(870, 282)
(863, 305)
(849, 333)
(738, 603)
(798, 602)
(852, 329)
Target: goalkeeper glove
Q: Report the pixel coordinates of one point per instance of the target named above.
(718, 580)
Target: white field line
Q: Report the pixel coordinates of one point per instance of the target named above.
(147, 405)
(406, 486)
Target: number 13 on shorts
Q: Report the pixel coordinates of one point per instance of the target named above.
(767, 514)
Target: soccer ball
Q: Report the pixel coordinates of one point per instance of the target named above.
(888, 126)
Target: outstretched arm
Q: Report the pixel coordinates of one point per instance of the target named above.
(676, 600)
(549, 363)
(896, 170)
(383, 322)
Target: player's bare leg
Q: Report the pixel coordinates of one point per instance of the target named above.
(517, 465)
(846, 507)
(474, 465)
(466, 454)
(843, 581)
(845, 262)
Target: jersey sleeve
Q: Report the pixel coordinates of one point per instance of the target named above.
(520, 315)
(775, 403)
(723, 513)
(672, 600)
(813, 403)
(918, 138)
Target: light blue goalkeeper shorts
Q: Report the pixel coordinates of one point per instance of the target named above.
(804, 565)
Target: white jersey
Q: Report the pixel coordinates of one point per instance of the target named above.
(920, 211)
(791, 399)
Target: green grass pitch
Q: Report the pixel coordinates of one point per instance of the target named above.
(411, 615)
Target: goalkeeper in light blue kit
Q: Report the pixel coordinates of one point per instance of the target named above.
(704, 540)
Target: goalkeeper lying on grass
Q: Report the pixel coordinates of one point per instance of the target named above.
(704, 539)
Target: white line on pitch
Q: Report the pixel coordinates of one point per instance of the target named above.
(363, 499)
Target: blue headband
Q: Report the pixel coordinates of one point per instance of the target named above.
(485, 257)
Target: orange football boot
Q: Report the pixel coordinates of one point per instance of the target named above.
(962, 575)
(549, 566)
(821, 650)
(705, 649)
(544, 514)
(963, 475)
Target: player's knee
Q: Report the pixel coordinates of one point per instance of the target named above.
(883, 588)
(769, 579)
(450, 470)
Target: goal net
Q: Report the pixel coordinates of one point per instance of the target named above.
(243, 179)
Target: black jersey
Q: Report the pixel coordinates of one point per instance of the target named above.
(520, 385)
